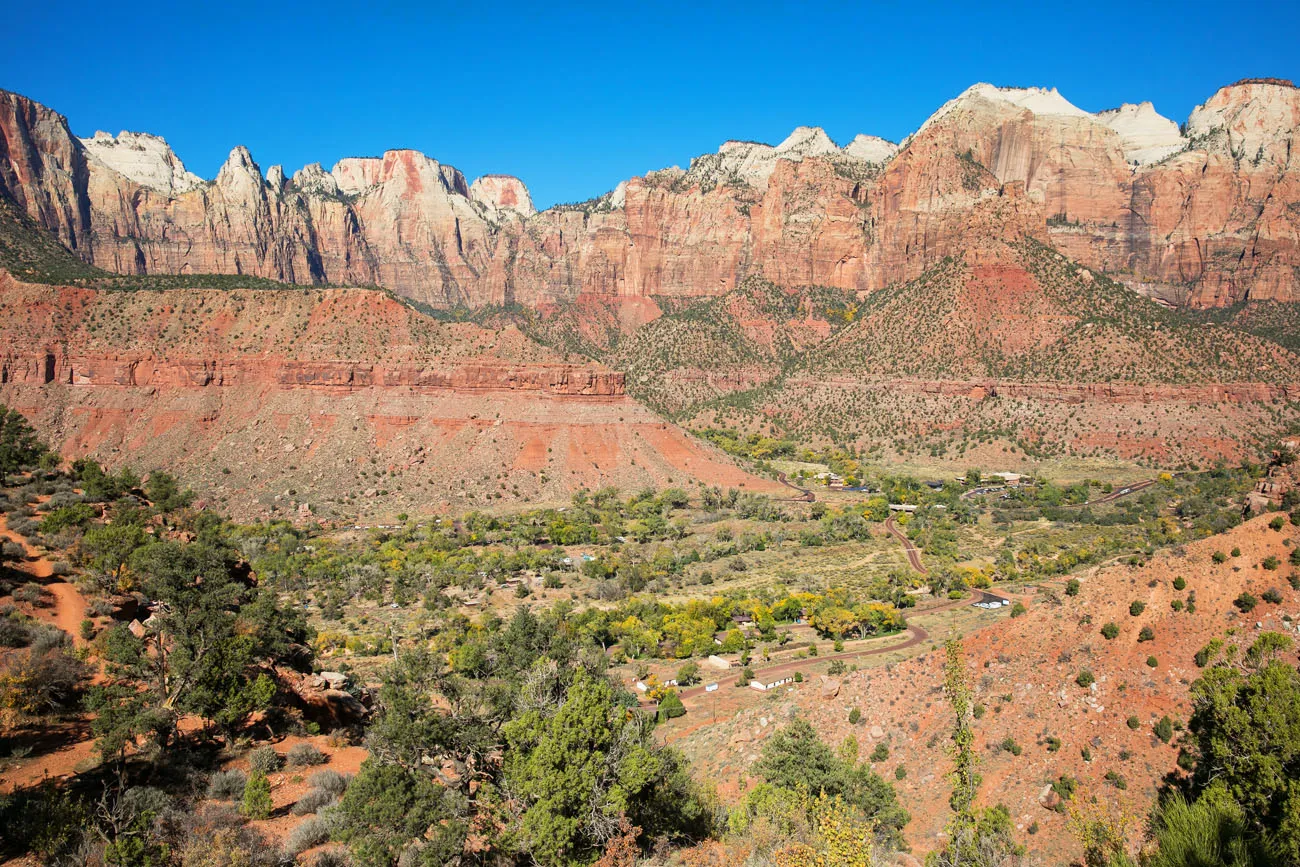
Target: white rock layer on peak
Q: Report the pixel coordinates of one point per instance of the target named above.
(1147, 137)
(353, 175)
(1257, 121)
(806, 141)
(240, 178)
(497, 193)
(871, 149)
(146, 159)
(1036, 99)
(311, 178)
(753, 162)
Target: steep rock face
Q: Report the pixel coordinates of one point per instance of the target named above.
(43, 169)
(1221, 221)
(1206, 219)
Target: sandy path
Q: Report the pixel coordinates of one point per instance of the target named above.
(69, 606)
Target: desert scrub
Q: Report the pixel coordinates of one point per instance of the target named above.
(264, 760)
(1110, 631)
(226, 785)
(313, 801)
(313, 831)
(331, 781)
(1085, 679)
(1136, 608)
(305, 755)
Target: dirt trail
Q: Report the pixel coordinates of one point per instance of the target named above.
(69, 606)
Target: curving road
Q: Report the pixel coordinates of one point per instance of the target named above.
(805, 495)
(913, 552)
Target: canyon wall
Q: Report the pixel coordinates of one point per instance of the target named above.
(1209, 215)
(254, 395)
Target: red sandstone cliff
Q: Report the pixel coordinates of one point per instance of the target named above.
(347, 394)
(1207, 217)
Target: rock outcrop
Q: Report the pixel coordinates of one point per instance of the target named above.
(1206, 218)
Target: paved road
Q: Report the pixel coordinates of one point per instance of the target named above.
(1121, 491)
(913, 553)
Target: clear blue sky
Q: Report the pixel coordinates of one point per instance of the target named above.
(575, 97)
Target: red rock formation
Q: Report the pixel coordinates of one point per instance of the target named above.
(1209, 219)
(255, 393)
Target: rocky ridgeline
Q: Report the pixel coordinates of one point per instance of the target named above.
(1205, 217)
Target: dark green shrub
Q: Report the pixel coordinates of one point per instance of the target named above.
(1136, 607)
(1085, 679)
(1207, 653)
(1110, 631)
(257, 802)
(671, 707)
(1147, 634)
